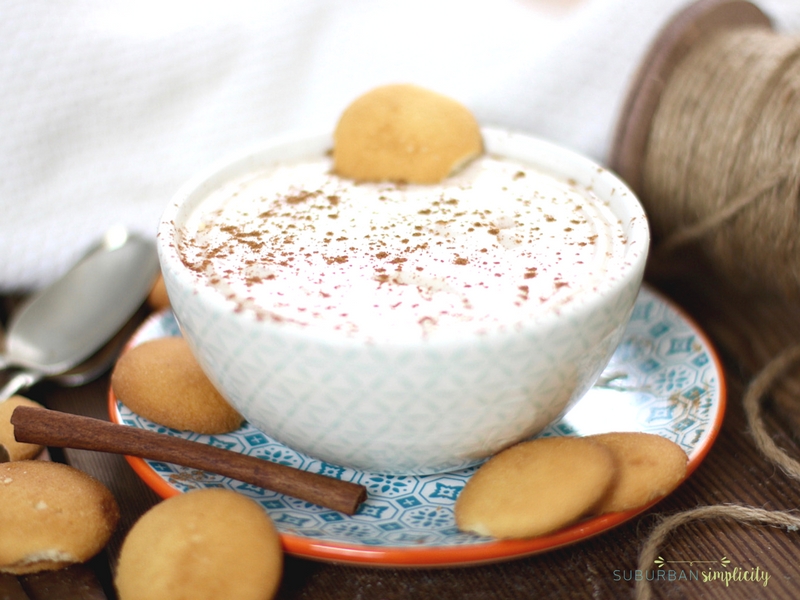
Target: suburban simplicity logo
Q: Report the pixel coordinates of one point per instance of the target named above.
(702, 571)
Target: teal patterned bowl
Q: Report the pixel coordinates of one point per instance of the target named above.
(405, 407)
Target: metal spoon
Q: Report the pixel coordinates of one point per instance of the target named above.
(89, 370)
(66, 323)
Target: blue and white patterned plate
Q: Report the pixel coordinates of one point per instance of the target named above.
(664, 378)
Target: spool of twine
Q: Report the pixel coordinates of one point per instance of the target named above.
(722, 164)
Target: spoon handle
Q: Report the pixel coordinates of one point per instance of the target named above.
(18, 381)
(63, 430)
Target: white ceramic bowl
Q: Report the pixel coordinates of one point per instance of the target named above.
(424, 407)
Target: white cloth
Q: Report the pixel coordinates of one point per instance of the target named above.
(107, 106)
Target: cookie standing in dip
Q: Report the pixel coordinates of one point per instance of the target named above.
(494, 247)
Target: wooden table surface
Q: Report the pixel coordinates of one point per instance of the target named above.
(746, 331)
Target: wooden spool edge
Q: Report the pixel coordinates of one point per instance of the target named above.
(674, 42)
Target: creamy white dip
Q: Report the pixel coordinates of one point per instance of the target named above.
(496, 246)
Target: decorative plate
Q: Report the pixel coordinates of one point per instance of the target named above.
(664, 378)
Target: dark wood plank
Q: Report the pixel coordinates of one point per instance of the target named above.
(77, 582)
(11, 588)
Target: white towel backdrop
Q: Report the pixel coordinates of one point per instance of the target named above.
(107, 106)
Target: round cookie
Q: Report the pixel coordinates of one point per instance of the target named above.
(51, 515)
(535, 488)
(404, 133)
(648, 467)
(158, 299)
(162, 381)
(16, 450)
(204, 544)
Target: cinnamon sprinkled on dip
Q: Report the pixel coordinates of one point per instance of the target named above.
(496, 246)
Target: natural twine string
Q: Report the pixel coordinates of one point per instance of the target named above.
(722, 170)
(741, 514)
(752, 400)
(721, 166)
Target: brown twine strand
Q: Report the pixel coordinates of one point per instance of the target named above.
(721, 166)
(741, 514)
(753, 397)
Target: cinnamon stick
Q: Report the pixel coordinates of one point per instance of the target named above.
(63, 430)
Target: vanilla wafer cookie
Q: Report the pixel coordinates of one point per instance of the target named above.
(535, 488)
(202, 545)
(51, 515)
(16, 450)
(404, 133)
(648, 467)
(162, 381)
